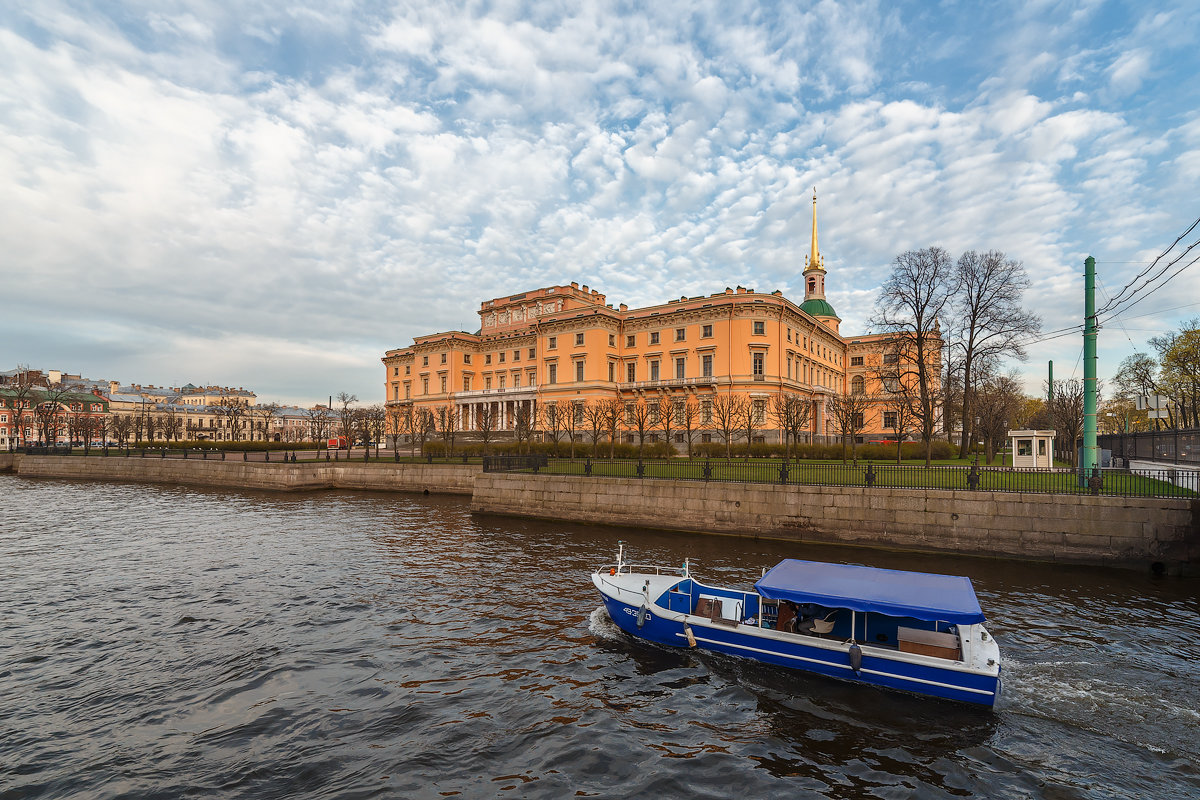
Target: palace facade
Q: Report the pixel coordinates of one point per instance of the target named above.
(565, 346)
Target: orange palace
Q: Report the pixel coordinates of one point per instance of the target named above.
(566, 345)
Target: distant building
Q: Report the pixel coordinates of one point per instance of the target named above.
(564, 347)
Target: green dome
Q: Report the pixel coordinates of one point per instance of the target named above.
(818, 308)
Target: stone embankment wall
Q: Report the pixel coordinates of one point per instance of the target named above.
(1067, 528)
(376, 476)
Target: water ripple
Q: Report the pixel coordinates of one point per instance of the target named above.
(179, 642)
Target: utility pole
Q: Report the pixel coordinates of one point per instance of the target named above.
(1050, 385)
(1089, 458)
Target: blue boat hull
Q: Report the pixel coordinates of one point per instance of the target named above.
(876, 670)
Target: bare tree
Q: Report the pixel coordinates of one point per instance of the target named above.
(172, 423)
(791, 413)
(426, 427)
(997, 402)
(233, 411)
(552, 417)
(395, 425)
(21, 397)
(485, 424)
(523, 425)
(727, 416)
(613, 409)
(1066, 411)
(990, 322)
(637, 414)
(50, 412)
(376, 423)
(689, 421)
(86, 425)
(447, 424)
(751, 416)
(910, 303)
(572, 421)
(898, 410)
(122, 427)
(318, 423)
(267, 414)
(848, 413)
(345, 420)
(666, 416)
(595, 414)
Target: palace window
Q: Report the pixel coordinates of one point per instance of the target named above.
(407, 369)
(466, 358)
(758, 366)
(680, 334)
(516, 380)
(443, 384)
(516, 355)
(487, 382)
(424, 361)
(424, 385)
(760, 412)
(531, 351)
(858, 385)
(443, 358)
(856, 361)
(760, 328)
(630, 340)
(487, 359)
(579, 371)
(579, 340)
(706, 331)
(654, 337)
(889, 419)
(706, 366)
(891, 358)
(500, 379)
(680, 368)
(502, 355)
(631, 372)
(552, 343)
(552, 374)
(612, 340)
(653, 370)
(706, 411)
(466, 383)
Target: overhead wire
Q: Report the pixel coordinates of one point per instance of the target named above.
(1119, 298)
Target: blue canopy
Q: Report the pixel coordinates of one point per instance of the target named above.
(921, 595)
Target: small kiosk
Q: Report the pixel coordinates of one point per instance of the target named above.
(1032, 449)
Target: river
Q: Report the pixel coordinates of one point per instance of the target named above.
(178, 642)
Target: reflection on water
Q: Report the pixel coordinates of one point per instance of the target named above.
(176, 642)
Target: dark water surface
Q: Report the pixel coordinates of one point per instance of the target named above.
(181, 642)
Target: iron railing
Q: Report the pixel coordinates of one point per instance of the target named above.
(1108, 482)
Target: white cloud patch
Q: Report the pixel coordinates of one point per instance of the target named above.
(329, 181)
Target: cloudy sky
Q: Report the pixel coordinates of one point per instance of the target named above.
(270, 194)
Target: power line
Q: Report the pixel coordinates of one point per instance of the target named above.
(1116, 300)
(1133, 300)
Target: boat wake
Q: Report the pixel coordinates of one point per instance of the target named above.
(601, 625)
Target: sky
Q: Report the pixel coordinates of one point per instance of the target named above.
(271, 195)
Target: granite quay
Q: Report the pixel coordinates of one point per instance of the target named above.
(1159, 533)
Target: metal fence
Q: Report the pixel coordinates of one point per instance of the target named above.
(227, 454)
(1108, 482)
(1177, 446)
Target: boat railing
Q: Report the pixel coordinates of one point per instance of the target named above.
(647, 569)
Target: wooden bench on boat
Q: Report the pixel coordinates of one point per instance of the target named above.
(928, 643)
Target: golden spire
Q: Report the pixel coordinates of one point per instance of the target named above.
(815, 260)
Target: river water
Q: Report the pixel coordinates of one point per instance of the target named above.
(175, 642)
